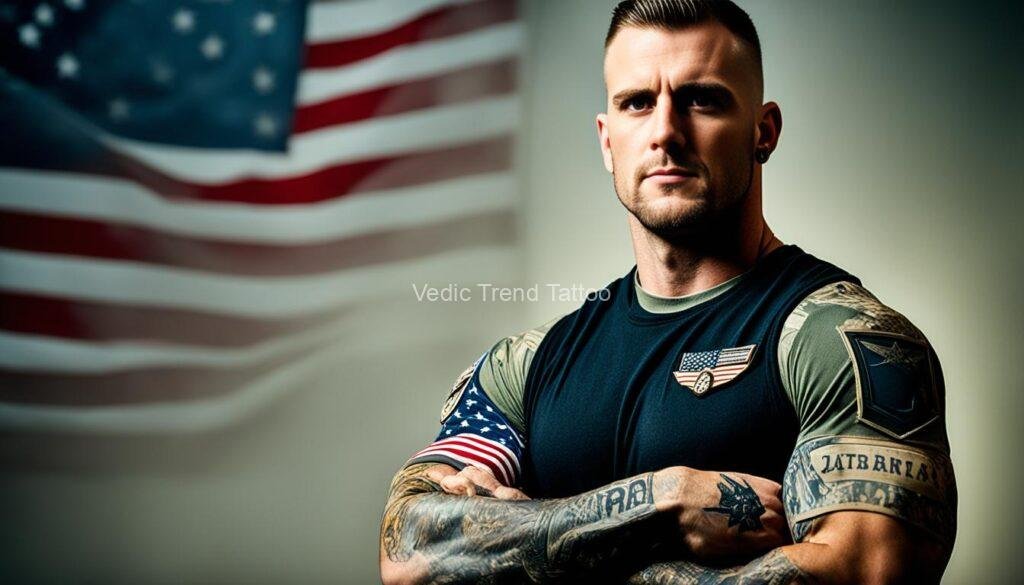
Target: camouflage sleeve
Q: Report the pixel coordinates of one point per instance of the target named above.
(482, 421)
(869, 394)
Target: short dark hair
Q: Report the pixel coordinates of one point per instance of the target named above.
(677, 14)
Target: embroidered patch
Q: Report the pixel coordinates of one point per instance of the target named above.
(703, 371)
(456, 393)
(895, 380)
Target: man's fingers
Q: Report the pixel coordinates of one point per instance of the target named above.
(458, 485)
(508, 493)
(481, 478)
(439, 472)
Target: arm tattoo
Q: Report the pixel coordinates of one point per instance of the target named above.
(860, 473)
(457, 539)
(740, 502)
(774, 568)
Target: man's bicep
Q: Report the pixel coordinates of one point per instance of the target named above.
(851, 473)
(869, 394)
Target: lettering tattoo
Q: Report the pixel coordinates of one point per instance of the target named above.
(774, 568)
(859, 473)
(740, 502)
(454, 539)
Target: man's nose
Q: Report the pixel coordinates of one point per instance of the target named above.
(668, 132)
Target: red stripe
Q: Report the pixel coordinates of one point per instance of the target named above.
(452, 88)
(503, 469)
(111, 241)
(496, 470)
(330, 183)
(483, 446)
(172, 384)
(113, 321)
(437, 24)
(501, 450)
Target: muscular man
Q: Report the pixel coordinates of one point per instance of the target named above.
(731, 410)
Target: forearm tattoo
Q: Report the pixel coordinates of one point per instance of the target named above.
(774, 568)
(739, 502)
(458, 539)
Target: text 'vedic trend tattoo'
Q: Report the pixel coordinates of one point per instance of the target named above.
(740, 502)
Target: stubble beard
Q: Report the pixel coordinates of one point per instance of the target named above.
(709, 210)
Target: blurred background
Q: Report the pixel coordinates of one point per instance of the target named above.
(216, 217)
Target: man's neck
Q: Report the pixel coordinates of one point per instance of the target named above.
(674, 269)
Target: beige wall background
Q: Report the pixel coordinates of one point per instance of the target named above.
(902, 122)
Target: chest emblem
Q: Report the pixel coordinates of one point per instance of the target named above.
(703, 371)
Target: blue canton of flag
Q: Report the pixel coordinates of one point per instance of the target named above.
(197, 74)
(476, 433)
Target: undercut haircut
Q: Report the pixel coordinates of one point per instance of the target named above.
(679, 14)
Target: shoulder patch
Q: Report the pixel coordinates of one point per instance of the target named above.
(895, 378)
(456, 392)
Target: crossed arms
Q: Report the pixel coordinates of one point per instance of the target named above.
(676, 525)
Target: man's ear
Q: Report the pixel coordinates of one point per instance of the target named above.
(602, 136)
(769, 127)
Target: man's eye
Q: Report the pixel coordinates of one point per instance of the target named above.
(701, 101)
(635, 104)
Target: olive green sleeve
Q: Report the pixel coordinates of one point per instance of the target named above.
(503, 372)
(869, 396)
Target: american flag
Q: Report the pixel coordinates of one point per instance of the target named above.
(476, 433)
(723, 365)
(195, 196)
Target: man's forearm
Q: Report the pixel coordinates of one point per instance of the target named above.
(427, 536)
(774, 568)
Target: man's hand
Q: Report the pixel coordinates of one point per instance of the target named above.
(473, 481)
(725, 516)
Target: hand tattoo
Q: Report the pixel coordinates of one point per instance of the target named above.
(740, 503)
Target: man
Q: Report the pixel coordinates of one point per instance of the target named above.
(669, 430)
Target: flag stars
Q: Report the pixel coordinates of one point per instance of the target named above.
(212, 47)
(489, 409)
(465, 423)
(264, 23)
(44, 14)
(263, 80)
(265, 126)
(67, 66)
(479, 416)
(457, 414)
(118, 109)
(184, 21)
(470, 402)
(28, 34)
(485, 430)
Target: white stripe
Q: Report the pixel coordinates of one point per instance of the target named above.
(124, 202)
(136, 283)
(409, 62)
(499, 465)
(330, 21)
(216, 413)
(378, 137)
(472, 436)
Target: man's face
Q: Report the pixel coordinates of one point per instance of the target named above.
(681, 126)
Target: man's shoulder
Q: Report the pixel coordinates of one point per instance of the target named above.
(847, 361)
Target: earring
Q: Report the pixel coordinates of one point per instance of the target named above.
(761, 155)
